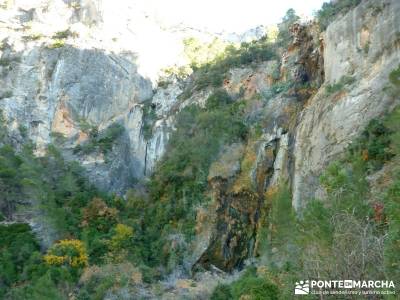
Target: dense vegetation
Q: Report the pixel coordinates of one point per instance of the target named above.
(97, 229)
(149, 117)
(104, 243)
(253, 284)
(55, 194)
(93, 231)
(18, 245)
(394, 77)
(180, 180)
(59, 191)
(332, 9)
(92, 228)
(100, 141)
(339, 85)
(211, 73)
(354, 234)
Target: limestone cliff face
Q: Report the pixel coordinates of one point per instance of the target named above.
(364, 44)
(59, 90)
(76, 75)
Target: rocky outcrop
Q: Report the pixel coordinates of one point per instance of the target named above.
(248, 82)
(69, 91)
(305, 127)
(238, 181)
(267, 161)
(303, 61)
(76, 76)
(364, 45)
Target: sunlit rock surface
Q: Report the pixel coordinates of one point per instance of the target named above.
(363, 44)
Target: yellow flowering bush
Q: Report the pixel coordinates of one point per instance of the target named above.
(67, 252)
(123, 234)
(120, 242)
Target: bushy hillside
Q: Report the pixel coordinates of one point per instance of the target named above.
(272, 162)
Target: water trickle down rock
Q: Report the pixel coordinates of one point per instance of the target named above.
(267, 161)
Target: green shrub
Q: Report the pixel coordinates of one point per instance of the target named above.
(23, 131)
(62, 35)
(88, 128)
(279, 217)
(17, 244)
(44, 288)
(57, 44)
(33, 37)
(4, 62)
(96, 288)
(107, 138)
(100, 141)
(279, 87)
(331, 10)
(366, 47)
(222, 292)
(200, 53)
(392, 125)
(392, 246)
(10, 180)
(149, 117)
(374, 145)
(284, 36)
(150, 275)
(218, 99)
(58, 137)
(278, 230)
(256, 288)
(314, 221)
(339, 86)
(213, 73)
(6, 94)
(394, 77)
(248, 286)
